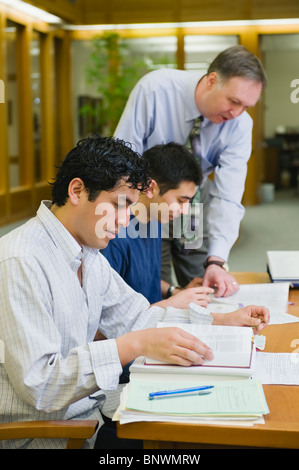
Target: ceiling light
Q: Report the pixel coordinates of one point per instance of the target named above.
(37, 13)
(194, 24)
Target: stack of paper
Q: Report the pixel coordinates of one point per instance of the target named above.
(283, 266)
(234, 399)
(233, 402)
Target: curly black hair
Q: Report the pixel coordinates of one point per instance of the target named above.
(101, 162)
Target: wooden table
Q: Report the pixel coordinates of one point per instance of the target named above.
(281, 428)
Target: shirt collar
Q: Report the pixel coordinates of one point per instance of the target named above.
(191, 110)
(61, 237)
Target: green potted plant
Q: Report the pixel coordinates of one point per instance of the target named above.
(115, 72)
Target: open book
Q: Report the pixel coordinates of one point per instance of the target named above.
(233, 349)
(235, 398)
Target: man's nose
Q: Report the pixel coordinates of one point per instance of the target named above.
(185, 208)
(236, 111)
(123, 217)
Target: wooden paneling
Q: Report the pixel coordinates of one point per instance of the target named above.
(25, 121)
(41, 191)
(3, 116)
(48, 105)
(22, 201)
(134, 11)
(250, 39)
(260, 9)
(3, 208)
(69, 10)
(63, 97)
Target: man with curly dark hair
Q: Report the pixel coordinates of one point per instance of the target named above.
(57, 290)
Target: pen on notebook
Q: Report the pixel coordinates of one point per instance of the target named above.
(179, 391)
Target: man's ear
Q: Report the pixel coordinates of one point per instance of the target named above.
(212, 79)
(76, 188)
(153, 189)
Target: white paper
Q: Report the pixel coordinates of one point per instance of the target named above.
(283, 265)
(277, 368)
(273, 296)
(281, 318)
(124, 416)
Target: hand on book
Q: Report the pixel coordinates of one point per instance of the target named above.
(255, 316)
(171, 345)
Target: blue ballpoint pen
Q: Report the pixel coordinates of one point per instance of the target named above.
(179, 391)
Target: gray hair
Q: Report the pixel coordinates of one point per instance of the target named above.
(238, 61)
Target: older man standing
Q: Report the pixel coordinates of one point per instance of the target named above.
(167, 105)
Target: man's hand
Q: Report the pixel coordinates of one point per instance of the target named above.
(224, 283)
(196, 282)
(255, 316)
(198, 295)
(170, 344)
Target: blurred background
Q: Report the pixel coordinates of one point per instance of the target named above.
(67, 67)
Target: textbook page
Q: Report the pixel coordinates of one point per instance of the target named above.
(232, 346)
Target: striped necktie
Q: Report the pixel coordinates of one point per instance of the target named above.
(193, 144)
(193, 141)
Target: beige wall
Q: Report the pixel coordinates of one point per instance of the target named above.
(281, 59)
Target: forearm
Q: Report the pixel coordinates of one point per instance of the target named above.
(131, 345)
(59, 382)
(218, 318)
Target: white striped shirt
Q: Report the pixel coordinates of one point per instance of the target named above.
(48, 322)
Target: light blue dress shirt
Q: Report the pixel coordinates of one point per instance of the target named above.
(162, 109)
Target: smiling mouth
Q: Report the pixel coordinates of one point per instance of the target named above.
(111, 234)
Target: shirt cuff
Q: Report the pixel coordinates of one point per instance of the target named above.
(105, 363)
(199, 315)
(220, 249)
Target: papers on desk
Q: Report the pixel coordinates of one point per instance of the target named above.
(277, 368)
(272, 296)
(283, 266)
(237, 398)
(233, 402)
